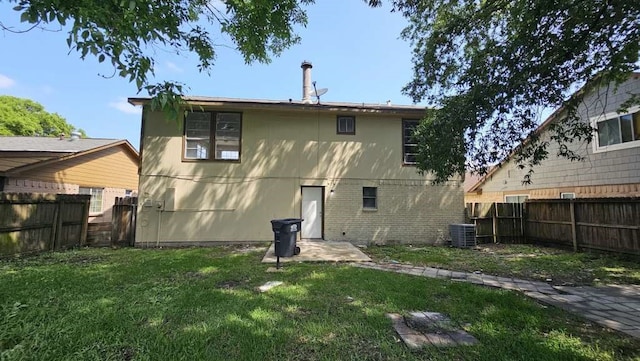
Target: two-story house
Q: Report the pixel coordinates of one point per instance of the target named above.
(611, 165)
(232, 165)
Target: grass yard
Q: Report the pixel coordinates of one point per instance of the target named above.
(531, 262)
(202, 304)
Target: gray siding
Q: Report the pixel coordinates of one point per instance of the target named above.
(599, 168)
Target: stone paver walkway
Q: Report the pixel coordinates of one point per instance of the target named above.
(615, 306)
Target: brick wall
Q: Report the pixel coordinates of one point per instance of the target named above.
(407, 212)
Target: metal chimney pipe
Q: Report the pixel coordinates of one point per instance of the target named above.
(306, 82)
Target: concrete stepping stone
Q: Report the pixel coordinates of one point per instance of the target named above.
(419, 329)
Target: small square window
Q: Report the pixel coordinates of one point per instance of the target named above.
(346, 125)
(370, 197)
(568, 195)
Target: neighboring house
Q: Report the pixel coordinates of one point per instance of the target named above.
(103, 168)
(229, 166)
(612, 161)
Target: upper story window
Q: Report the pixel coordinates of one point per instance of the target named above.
(212, 136)
(409, 145)
(619, 132)
(346, 124)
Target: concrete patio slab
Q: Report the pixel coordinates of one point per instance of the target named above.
(320, 251)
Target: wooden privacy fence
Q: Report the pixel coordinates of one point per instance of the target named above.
(609, 224)
(497, 222)
(32, 223)
(121, 230)
(123, 221)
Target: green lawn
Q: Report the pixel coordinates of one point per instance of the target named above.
(202, 304)
(521, 261)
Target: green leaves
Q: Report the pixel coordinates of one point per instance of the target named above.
(25, 117)
(126, 32)
(492, 65)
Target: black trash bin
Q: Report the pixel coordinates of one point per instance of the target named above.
(285, 234)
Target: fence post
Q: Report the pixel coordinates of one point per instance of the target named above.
(54, 225)
(495, 222)
(85, 222)
(574, 236)
(522, 213)
(58, 235)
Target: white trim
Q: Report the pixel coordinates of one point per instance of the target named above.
(573, 195)
(593, 121)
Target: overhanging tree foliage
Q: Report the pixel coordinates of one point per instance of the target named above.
(25, 117)
(126, 32)
(491, 65)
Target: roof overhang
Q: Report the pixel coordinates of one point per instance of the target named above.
(292, 105)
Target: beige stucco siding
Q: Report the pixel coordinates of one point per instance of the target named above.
(281, 152)
(112, 167)
(610, 173)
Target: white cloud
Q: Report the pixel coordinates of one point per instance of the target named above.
(124, 106)
(6, 82)
(173, 67)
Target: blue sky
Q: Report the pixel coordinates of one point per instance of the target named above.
(355, 50)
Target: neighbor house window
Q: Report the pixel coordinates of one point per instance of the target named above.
(409, 145)
(568, 195)
(369, 197)
(516, 198)
(212, 136)
(95, 205)
(346, 125)
(619, 130)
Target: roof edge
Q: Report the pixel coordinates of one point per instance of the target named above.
(71, 155)
(196, 100)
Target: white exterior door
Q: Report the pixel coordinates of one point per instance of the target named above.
(312, 204)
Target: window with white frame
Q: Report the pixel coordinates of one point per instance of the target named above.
(212, 136)
(567, 195)
(516, 198)
(95, 205)
(409, 144)
(619, 131)
(369, 197)
(346, 125)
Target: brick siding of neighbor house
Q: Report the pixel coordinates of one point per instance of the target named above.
(17, 185)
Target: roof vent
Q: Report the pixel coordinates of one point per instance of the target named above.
(75, 135)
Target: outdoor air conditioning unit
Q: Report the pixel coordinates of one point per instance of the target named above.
(463, 235)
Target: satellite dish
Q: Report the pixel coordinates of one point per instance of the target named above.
(317, 92)
(320, 92)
